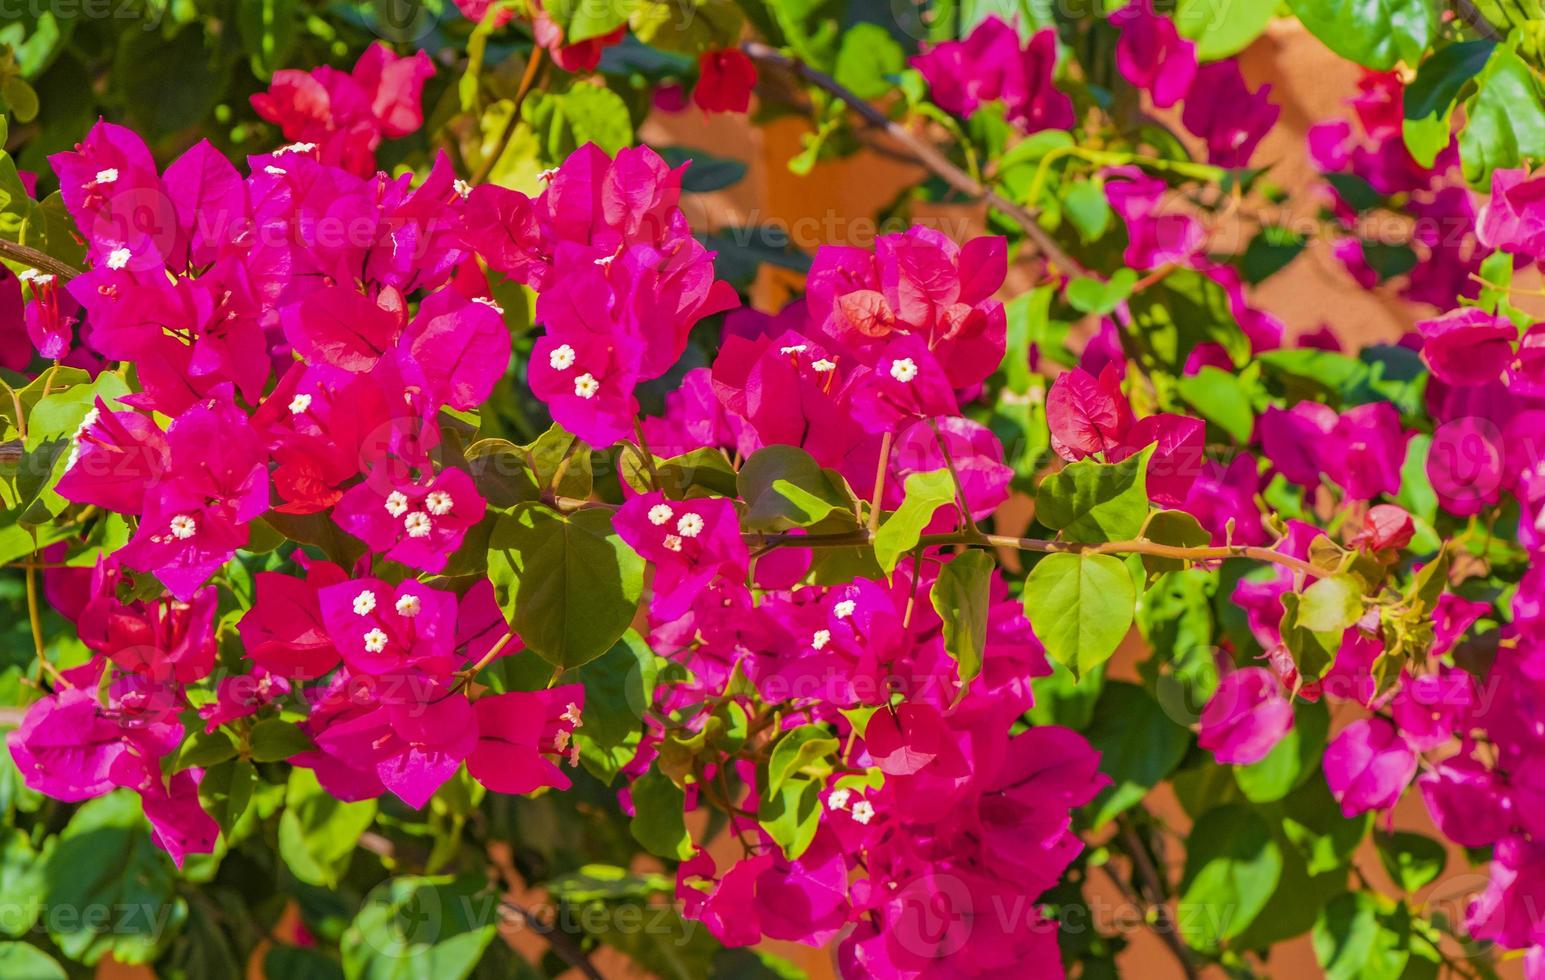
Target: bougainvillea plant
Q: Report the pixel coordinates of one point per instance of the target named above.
(413, 533)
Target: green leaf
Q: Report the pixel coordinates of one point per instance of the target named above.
(226, 791)
(784, 487)
(925, 493)
(619, 686)
(795, 750)
(706, 171)
(1139, 745)
(565, 121)
(1362, 937)
(792, 815)
(507, 474)
(1095, 502)
(582, 21)
(300, 963)
(658, 823)
(866, 59)
(1373, 33)
(21, 882)
(1505, 122)
(1171, 317)
(1081, 607)
(1412, 860)
(1292, 760)
(961, 596)
(274, 740)
(569, 585)
(1269, 252)
(1089, 211)
(1223, 398)
(412, 926)
(22, 961)
(269, 29)
(1222, 30)
(1088, 295)
(168, 84)
(105, 860)
(1177, 529)
(686, 26)
(1430, 99)
(1233, 864)
(319, 833)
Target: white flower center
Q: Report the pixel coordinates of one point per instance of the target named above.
(820, 639)
(792, 349)
(409, 605)
(548, 174)
(844, 609)
(690, 525)
(822, 366)
(183, 527)
(486, 301)
(659, 514)
(299, 404)
(672, 542)
(364, 603)
(295, 148)
(375, 641)
(839, 798)
(903, 369)
(107, 176)
(585, 386)
(396, 503)
(562, 358)
(274, 171)
(863, 811)
(605, 260)
(118, 258)
(461, 187)
(439, 503)
(571, 714)
(418, 525)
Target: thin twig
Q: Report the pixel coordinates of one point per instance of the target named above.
(879, 482)
(924, 152)
(1163, 924)
(41, 261)
(562, 943)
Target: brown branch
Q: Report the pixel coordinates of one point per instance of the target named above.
(561, 942)
(41, 261)
(922, 151)
(1163, 924)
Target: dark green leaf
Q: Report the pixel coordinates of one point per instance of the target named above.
(1138, 744)
(1233, 865)
(961, 596)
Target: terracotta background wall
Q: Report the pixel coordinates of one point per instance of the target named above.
(837, 202)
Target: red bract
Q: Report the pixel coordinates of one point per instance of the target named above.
(724, 82)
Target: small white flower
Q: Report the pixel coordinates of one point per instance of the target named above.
(844, 609)
(585, 386)
(461, 187)
(672, 542)
(118, 258)
(548, 174)
(820, 639)
(107, 176)
(375, 641)
(562, 358)
(274, 171)
(418, 525)
(792, 349)
(35, 277)
(396, 503)
(838, 799)
(822, 366)
(183, 527)
(439, 503)
(561, 739)
(605, 261)
(364, 603)
(488, 302)
(299, 404)
(903, 369)
(571, 714)
(409, 605)
(863, 811)
(659, 514)
(690, 525)
(295, 148)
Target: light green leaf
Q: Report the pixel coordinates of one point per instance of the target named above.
(925, 493)
(1362, 937)
(1505, 122)
(961, 596)
(1080, 607)
(1095, 502)
(412, 927)
(658, 824)
(319, 833)
(1430, 99)
(1374, 33)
